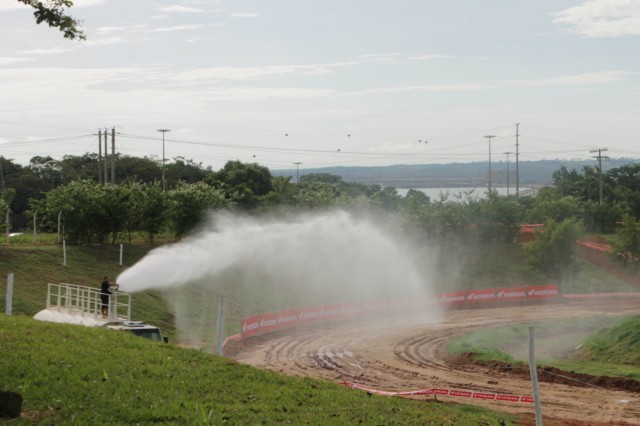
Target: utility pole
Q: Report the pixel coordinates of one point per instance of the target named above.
(508, 177)
(100, 156)
(2, 175)
(517, 166)
(113, 156)
(490, 137)
(297, 163)
(600, 157)
(163, 131)
(106, 156)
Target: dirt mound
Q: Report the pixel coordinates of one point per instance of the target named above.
(548, 374)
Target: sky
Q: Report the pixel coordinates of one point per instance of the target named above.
(325, 82)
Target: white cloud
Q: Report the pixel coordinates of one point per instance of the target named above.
(194, 39)
(428, 57)
(602, 18)
(200, 75)
(104, 41)
(244, 15)
(180, 9)
(175, 28)
(108, 30)
(399, 57)
(88, 3)
(6, 5)
(44, 51)
(12, 60)
(599, 77)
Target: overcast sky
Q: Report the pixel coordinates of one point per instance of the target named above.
(325, 82)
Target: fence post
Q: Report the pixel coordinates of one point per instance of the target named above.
(9, 308)
(220, 331)
(121, 248)
(534, 377)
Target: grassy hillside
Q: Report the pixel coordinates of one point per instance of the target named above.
(77, 375)
(598, 345)
(36, 266)
(457, 268)
(618, 343)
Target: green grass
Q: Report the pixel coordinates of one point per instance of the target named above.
(617, 343)
(597, 345)
(36, 266)
(78, 375)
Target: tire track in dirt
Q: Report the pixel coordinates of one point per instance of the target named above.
(399, 354)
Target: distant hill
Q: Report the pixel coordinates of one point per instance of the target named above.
(456, 174)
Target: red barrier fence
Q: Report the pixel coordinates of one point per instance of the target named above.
(274, 321)
(446, 392)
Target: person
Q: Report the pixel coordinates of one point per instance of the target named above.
(105, 293)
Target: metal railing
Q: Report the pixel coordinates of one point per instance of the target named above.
(85, 301)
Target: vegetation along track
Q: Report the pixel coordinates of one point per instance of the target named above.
(410, 353)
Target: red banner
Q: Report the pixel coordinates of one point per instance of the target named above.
(542, 291)
(453, 298)
(511, 294)
(484, 295)
(272, 321)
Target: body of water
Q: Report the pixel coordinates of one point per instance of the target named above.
(461, 194)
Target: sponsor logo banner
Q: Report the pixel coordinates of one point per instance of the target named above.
(542, 291)
(509, 294)
(485, 295)
(455, 297)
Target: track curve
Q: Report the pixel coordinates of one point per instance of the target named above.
(410, 353)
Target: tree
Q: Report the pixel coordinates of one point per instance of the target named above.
(554, 252)
(79, 167)
(146, 209)
(188, 203)
(387, 198)
(243, 183)
(135, 169)
(90, 211)
(550, 204)
(495, 219)
(282, 193)
(320, 177)
(183, 170)
(603, 217)
(627, 244)
(53, 12)
(46, 168)
(318, 195)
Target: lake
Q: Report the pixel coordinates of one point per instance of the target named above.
(466, 193)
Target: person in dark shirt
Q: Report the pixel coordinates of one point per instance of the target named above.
(105, 292)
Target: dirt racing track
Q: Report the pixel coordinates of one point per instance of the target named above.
(410, 354)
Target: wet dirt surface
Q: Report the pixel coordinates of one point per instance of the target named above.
(409, 354)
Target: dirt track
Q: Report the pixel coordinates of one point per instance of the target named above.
(410, 354)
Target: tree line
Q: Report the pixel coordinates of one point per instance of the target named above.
(68, 193)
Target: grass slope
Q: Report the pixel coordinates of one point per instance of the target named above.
(598, 345)
(36, 266)
(77, 375)
(617, 343)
